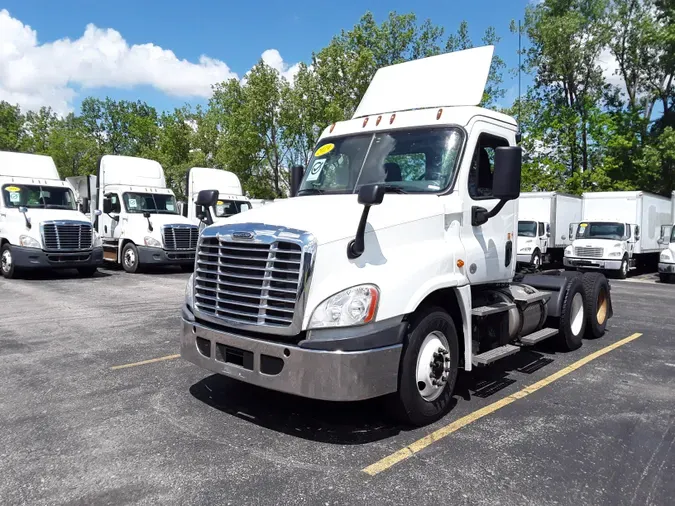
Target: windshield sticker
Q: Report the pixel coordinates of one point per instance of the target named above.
(316, 170)
(13, 189)
(220, 208)
(583, 225)
(133, 204)
(219, 203)
(324, 150)
(169, 206)
(14, 197)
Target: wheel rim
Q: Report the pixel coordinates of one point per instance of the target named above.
(535, 261)
(433, 366)
(129, 258)
(603, 305)
(624, 268)
(6, 260)
(577, 313)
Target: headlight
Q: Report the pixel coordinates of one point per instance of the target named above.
(98, 240)
(152, 242)
(354, 306)
(29, 242)
(569, 251)
(666, 256)
(615, 254)
(189, 289)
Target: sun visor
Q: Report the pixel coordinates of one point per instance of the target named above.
(445, 80)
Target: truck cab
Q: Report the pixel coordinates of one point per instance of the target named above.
(392, 264)
(140, 224)
(606, 245)
(40, 223)
(231, 199)
(532, 242)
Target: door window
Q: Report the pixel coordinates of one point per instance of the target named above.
(541, 229)
(482, 166)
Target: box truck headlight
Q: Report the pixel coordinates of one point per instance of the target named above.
(615, 253)
(354, 306)
(666, 256)
(189, 290)
(569, 251)
(152, 242)
(29, 242)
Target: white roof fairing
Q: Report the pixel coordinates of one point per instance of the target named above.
(446, 80)
(131, 171)
(27, 165)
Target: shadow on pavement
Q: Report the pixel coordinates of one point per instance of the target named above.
(47, 274)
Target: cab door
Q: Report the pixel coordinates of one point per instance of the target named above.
(490, 246)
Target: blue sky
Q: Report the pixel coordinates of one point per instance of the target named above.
(234, 34)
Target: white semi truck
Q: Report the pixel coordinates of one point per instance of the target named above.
(617, 231)
(543, 226)
(140, 224)
(40, 224)
(231, 199)
(392, 264)
(667, 257)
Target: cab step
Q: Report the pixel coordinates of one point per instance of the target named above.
(495, 354)
(492, 309)
(538, 336)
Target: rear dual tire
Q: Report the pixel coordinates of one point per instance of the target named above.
(572, 322)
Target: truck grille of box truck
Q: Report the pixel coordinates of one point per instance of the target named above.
(588, 252)
(249, 283)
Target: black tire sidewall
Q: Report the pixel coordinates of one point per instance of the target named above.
(12, 270)
(621, 273)
(567, 339)
(413, 409)
(536, 254)
(133, 268)
(593, 283)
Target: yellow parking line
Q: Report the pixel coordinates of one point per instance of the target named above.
(421, 444)
(143, 362)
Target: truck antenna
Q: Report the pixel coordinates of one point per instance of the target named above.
(519, 134)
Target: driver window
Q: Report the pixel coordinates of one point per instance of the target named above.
(482, 166)
(115, 201)
(541, 229)
(629, 231)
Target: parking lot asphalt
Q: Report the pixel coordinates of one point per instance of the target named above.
(78, 430)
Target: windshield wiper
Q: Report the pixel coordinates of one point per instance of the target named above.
(390, 188)
(312, 191)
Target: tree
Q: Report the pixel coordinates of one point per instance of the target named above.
(11, 127)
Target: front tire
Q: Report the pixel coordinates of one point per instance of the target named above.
(7, 266)
(130, 261)
(623, 271)
(428, 368)
(535, 261)
(572, 322)
(596, 291)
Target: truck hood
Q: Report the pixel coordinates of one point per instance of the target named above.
(597, 243)
(335, 217)
(158, 220)
(41, 215)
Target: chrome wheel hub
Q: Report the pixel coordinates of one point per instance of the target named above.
(433, 366)
(6, 261)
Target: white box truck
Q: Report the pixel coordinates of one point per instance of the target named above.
(392, 264)
(617, 230)
(231, 199)
(666, 264)
(140, 224)
(543, 226)
(40, 224)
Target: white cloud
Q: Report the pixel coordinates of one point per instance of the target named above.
(610, 69)
(35, 75)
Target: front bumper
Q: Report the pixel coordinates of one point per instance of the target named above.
(592, 263)
(524, 258)
(332, 375)
(158, 256)
(666, 268)
(37, 258)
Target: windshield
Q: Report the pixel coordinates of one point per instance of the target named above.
(150, 202)
(225, 208)
(527, 228)
(614, 231)
(416, 161)
(672, 234)
(38, 197)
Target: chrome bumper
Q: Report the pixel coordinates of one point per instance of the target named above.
(666, 268)
(317, 374)
(592, 263)
(524, 258)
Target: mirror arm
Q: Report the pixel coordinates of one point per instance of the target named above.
(149, 224)
(28, 225)
(357, 245)
(480, 215)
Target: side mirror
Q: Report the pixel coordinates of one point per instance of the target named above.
(97, 212)
(369, 195)
(207, 198)
(506, 178)
(23, 209)
(637, 233)
(297, 171)
(107, 205)
(146, 214)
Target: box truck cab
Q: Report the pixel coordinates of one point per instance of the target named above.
(667, 257)
(392, 264)
(543, 226)
(618, 230)
(140, 224)
(231, 199)
(40, 224)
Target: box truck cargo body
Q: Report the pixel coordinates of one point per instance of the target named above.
(618, 230)
(543, 226)
(667, 257)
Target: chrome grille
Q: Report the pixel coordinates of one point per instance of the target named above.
(180, 236)
(247, 282)
(65, 236)
(587, 252)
